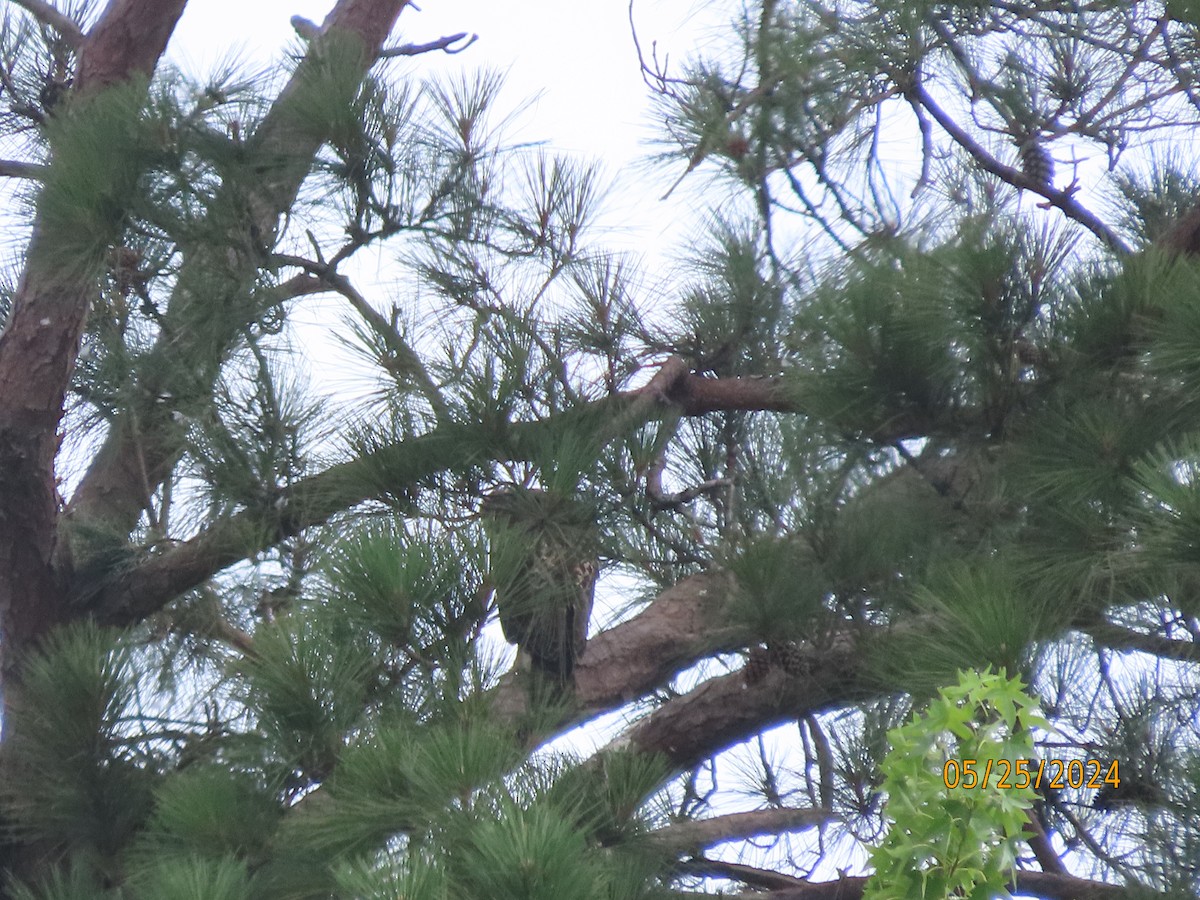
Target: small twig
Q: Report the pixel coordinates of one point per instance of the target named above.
(402, 353)
(309, 31)
(443, 44)
(655, 77)
(704, 149)
(66, 27)
(661, 500)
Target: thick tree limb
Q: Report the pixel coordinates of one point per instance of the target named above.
(640, 654)
(39, 346)
(1038, 884)
(67, 28)
(126, 41)
(1114, 637)
(113, 492)
(726, 710)
(700, 834)
(751, 875)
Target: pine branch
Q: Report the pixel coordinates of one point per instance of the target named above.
(445, 44)
(1063, 200)
(313, 500)
(11, 168)
(39, 345)
(45, 13)
(404, 358)
(110, 490)
(699, 834)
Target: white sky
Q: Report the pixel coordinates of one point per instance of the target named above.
(575, 62)
(575, 69)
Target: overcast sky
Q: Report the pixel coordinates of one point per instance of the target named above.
(577, 60)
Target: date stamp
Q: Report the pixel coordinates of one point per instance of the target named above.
(1019, 774)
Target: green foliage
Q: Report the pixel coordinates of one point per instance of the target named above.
(605, 797)
(75, 778)
(968, 617)
(77, 882)
(195, 879)
(410, 590)
(210, 812)
(1186, 10)
(927, 422)
(101, 145)
(782, 589)
(957, 841)
(525, 853)
(415, 879)
(307, 689)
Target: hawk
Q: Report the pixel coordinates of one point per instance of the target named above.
(544, 560)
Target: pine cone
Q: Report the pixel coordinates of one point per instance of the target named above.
(758, 665)
(791, 658)
(1036, 161)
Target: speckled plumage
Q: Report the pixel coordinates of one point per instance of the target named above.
(545, 560)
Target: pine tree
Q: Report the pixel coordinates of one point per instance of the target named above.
(911, 410)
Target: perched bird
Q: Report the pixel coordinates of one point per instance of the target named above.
(544, 560)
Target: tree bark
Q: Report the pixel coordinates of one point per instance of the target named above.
(134, 462)
(39, 347)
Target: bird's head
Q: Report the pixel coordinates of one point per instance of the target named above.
(534, 509)
(510, 503)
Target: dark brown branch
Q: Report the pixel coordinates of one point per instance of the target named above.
(751, 875)
(640, 654)
(696, 394)
(302, 286)
(1038, 884)
(67, 28)
(700, 834)
(726, 710)
(111, 494)
(1114, 637)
